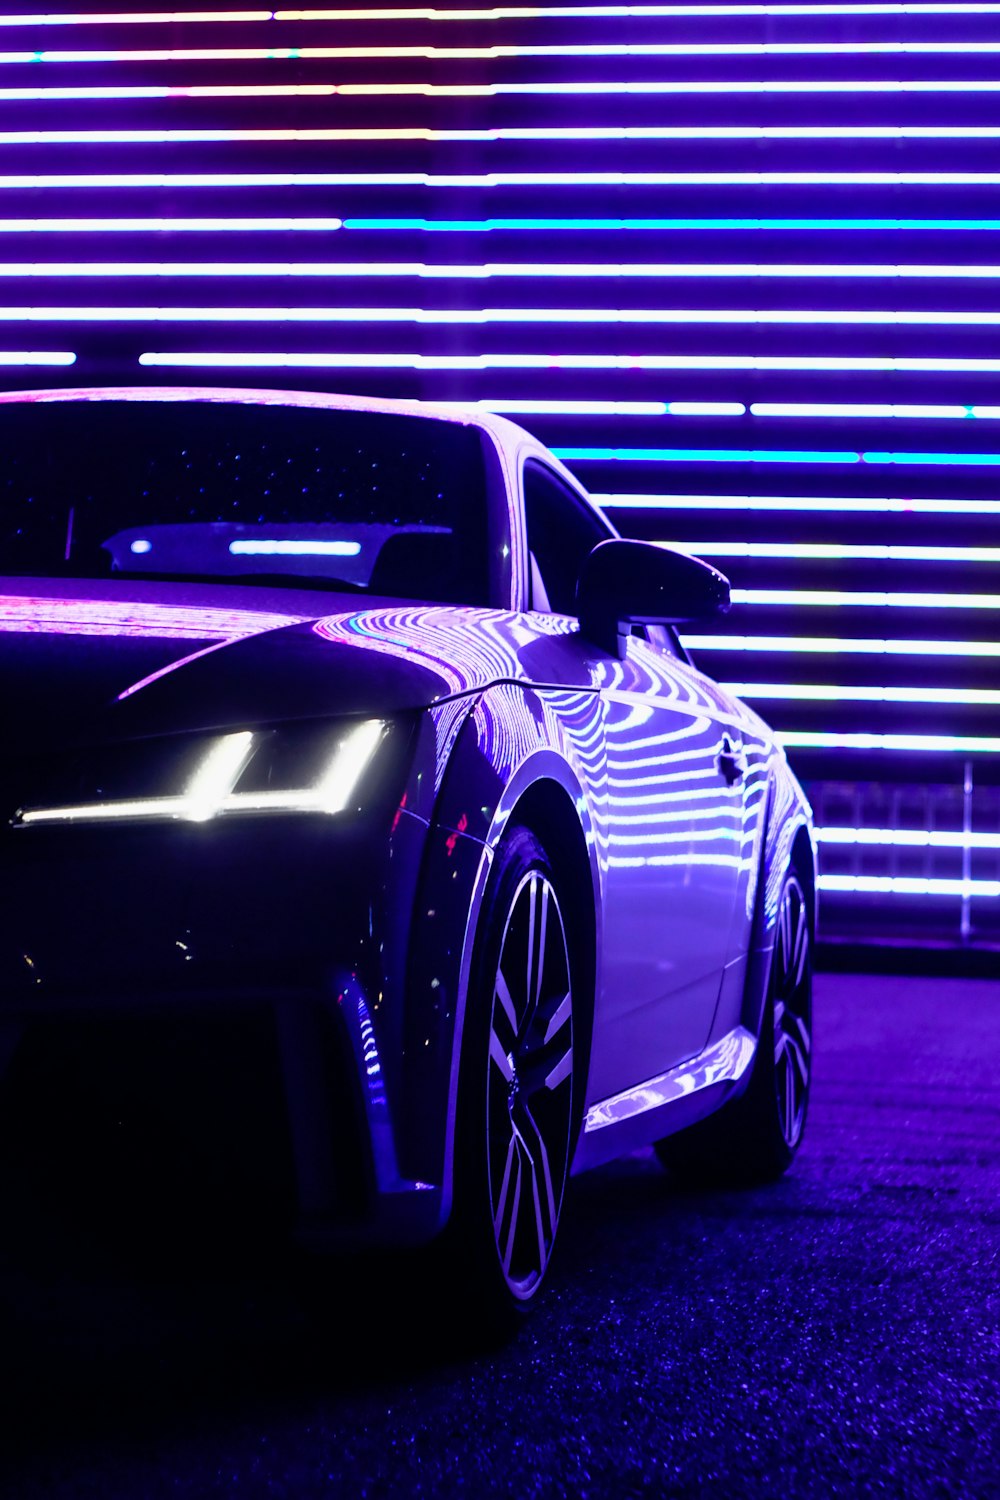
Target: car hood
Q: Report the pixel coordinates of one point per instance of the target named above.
(87, 660)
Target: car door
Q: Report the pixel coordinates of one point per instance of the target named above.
(668, 815)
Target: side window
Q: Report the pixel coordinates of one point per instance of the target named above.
(561, 531)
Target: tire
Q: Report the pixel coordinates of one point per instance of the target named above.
(518, 1102)
(755, 1138)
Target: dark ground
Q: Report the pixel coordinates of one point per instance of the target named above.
(837, 1334)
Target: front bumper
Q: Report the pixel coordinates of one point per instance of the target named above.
(272, 957)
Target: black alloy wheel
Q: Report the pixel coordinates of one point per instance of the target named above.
(754, 1137)
(791, 1012)
(518, 1105)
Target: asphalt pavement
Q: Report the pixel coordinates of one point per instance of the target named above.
(834, 1335)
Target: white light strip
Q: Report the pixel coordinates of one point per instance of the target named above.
(564, 179)
(840, 645)
(911, 412)
(265, 359)
(877, 551)
(484, 136)
(36, 357)
(266, 547)
(239, 225)
(492, 13)
(557, 407)
(136, 18)
(598, 50)
(584, 88)
(904, 885)
(892, 505)
(860, 598)
(965, 744)
(828, 692)
(482, 317)
(522, 270)
(908, 838)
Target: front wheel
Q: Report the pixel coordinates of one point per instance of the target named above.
(517, 1113)
(755, 1137)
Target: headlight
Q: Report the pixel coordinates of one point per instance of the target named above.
(311, 770)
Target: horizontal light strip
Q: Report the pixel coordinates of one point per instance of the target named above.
(486, 316)
(608, 408)
(398, 361)
(241, 225)
(967, 744)
(839, 645)
(855, 599)
(900, 885)
(840, 551)
(893, 505)
(291, 547)
(759, 455)
(495, 13)
(60, 180)
(487, 226)
(497, 90)
(908, 838)
(36, 357)
(470, 54)
(233, 135)
(529, 270)
(828, 692)
(136, 18)
(911, 412)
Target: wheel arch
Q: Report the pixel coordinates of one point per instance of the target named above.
(788, 843)
(545, 796)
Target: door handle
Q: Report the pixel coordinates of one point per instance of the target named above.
(731, 762)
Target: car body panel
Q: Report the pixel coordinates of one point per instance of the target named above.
(365, 926)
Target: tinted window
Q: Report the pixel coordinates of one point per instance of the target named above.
(561, 531)
(385, 503)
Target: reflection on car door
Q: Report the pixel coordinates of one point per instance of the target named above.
(675, 837)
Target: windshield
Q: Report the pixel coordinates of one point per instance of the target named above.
(369, 501)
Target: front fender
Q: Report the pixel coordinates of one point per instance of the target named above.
(511, 742)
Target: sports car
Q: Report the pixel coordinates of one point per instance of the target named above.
(351, 755)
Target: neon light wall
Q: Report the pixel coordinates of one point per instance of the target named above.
(739, 265)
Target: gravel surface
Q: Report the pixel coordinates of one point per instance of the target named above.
(836, 1334)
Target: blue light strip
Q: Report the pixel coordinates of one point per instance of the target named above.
(772, 456)
(862, 505)
(573, 225)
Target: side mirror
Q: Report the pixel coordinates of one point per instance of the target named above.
(626, 583)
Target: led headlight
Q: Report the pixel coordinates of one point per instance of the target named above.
(315, 771)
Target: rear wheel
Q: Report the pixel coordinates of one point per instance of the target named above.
(755, 1137)
(518, 1103)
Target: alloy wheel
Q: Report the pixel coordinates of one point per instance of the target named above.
(792, 1001)
(529, 1096)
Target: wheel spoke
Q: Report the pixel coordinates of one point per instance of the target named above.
(501, 1205)
(800, 947)
(514, 1195)
(541, 1155)
(561, 1070)
(789, 1098)
(539, 1231)
(559, 1017)
(499, 1056)
(798, 1059)
(801, 1031)
(506, 1002)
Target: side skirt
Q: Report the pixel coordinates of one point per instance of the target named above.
(672, 1100)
